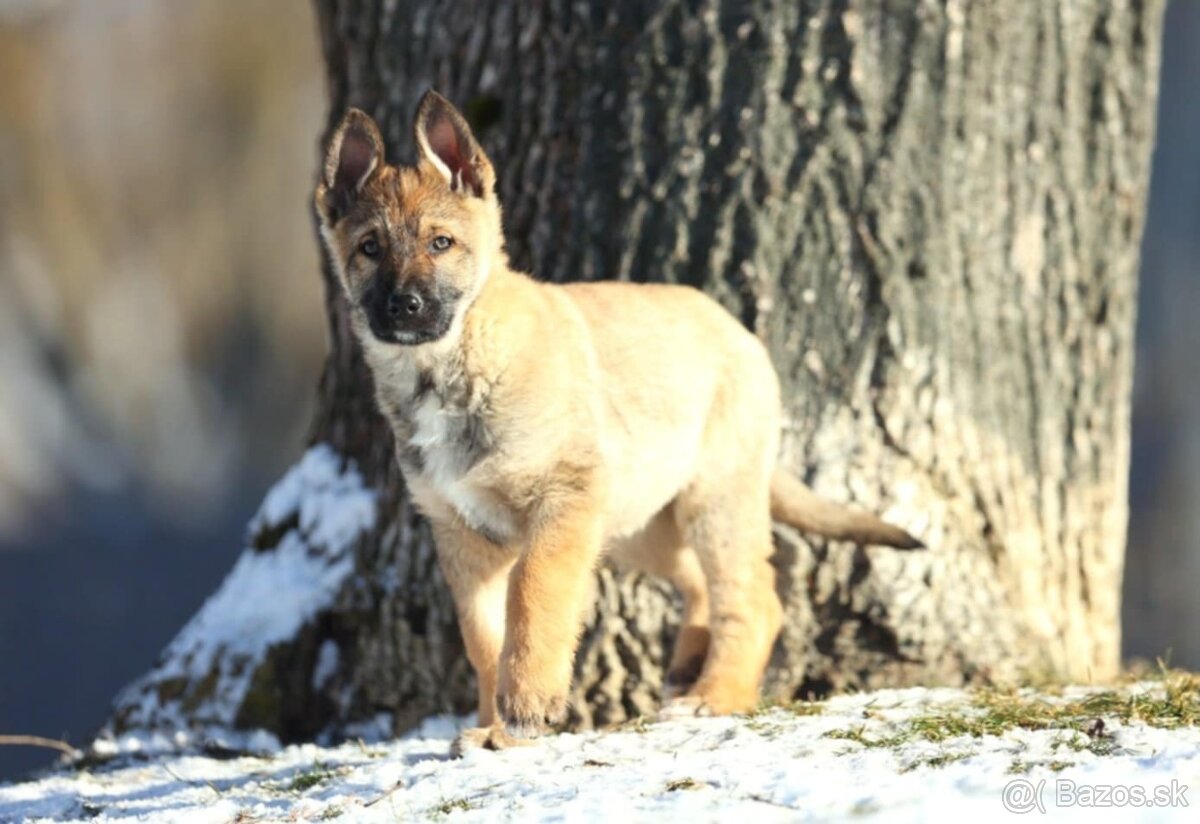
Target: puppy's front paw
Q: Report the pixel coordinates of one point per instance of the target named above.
(528, 715)
(484, 738)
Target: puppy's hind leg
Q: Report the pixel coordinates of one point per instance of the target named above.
(659, 550)
(691, 646)
(729, 527)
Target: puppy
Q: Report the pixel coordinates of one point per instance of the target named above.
(541, 426)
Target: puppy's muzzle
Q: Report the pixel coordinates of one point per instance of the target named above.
(409, 313)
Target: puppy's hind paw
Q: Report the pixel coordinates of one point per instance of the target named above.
(682, 677)
(685, 706)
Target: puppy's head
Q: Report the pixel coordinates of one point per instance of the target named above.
(412, 245)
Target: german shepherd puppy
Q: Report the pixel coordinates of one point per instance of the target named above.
(540, 427)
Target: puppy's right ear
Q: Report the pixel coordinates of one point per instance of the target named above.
(354, 157)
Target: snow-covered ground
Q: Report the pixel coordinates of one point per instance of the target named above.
(889, 755)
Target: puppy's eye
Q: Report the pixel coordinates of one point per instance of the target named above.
(441, 243)
(370, 248)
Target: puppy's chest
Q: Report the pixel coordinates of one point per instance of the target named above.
(442, 435)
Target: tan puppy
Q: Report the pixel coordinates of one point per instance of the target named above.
(541, 426)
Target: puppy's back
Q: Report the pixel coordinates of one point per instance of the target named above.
(665, 336)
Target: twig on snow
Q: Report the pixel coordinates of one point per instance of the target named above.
(38, 741)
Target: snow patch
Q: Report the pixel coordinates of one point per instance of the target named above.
(373, 730)
(148, 743)
(321, 508)
(334, 506)
(327, 662)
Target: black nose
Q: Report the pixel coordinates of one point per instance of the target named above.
(403, 303)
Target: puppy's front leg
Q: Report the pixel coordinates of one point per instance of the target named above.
(477, 571)
(547, 594)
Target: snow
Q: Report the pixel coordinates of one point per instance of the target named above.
(266, 598)
(334, 506)
(777, 765)
(327, 662)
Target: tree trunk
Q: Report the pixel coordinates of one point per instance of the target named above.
(930, 211)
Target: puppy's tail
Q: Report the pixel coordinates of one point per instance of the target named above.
(793, 503)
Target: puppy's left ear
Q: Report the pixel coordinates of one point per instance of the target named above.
(444, 139)
(354, 157)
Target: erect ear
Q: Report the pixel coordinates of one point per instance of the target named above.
(354, 157)
(444, 139)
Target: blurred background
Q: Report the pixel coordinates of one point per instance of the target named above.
(161, 332)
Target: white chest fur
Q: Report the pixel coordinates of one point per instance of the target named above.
(447, 439)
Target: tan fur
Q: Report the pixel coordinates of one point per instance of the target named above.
(551, 425)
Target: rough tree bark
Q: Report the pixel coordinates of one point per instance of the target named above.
(929, 209)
